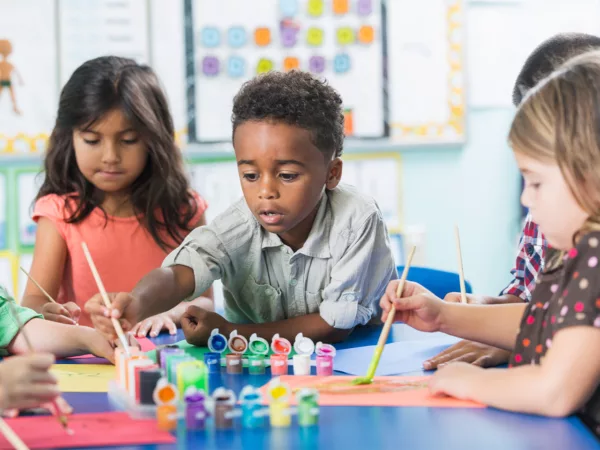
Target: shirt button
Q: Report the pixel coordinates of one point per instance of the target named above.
(293, 282)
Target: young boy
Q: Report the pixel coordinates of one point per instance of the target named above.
(533, 247)
(300, 253)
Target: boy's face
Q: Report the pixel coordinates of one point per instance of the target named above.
(550, 202)
(283, 176)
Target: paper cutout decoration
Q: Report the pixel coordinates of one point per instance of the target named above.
(89, 430)
(288, 8)
(341, 63)
(340, 7)
(366, 34)
(384, 391)
(345, 36)
(349, 127)
(262, 36)
(83, 377)
(316, 64)
(236, 36)
(315, 8)
(364, 7)
(210, 37)
(210, 66)
(291, 63)
(314, 36)
(289, 33)
(236, 66)
(264, 65)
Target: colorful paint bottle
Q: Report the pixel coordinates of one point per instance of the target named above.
(304, 348)
(279, 403)
(213, 362)
(217, 344)
(325, 354)
(237, 346)
(259, 348)
(192, 373)
(147, 380)
(279, 359)
(165, 398)
(308, 407)
(195, 408)
(223, 403)
(167, 352)
(251, 402)
(173, 362)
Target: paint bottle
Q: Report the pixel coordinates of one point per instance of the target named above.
(279, 403)
(217, 344)
(325, 354)
(237, 346)
(195, 408)
(259, 348)
(165, 398)
(279, 359)
(147, 380)
(223, 403)
(304, 348)
(251, 403)
(308, 407)
(192, 373)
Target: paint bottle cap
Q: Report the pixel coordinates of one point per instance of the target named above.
(217, 343)
(325, 349)
(224, 396)
(237, 343)
(165, 393)
(307, 395)
(194, 395)
(303, 345)
(281, 346)
(278, 391)
(250, 394)
(258, 345)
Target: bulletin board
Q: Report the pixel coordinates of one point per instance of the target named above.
(28, 183)
(3, 212)
(230, 41)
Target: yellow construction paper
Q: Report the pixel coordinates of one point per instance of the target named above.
(83, 377)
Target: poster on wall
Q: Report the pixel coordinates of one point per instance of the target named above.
(28, 185)
(28, 75)
(229, 41)
(3, 213)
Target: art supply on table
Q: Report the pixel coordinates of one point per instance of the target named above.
(324, 359)
(278, 394)
(196, 412)
(147, 379)
(104, 295)
(127, 363)
(304, 348)
(213, 362)
(308, 407)
(259, 348)
(165, 353)
(166, 398)
(132, 367)
(223, 404)
(386, 327)
(253, 413)
(461, 273)
(171, 365)
(192, 374)
(12, 437)
(160, 349)
(217, 344)
(237, 346)
(279, 359)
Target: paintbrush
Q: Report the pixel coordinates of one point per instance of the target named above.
(461, 273)
(21, 326)
(386, 328)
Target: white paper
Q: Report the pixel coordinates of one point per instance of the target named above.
(25, 261)
(28, 184)
(95, 28)
(3, 213)
(6, 275)
(30, 27)
(361, 87)
(422, 88)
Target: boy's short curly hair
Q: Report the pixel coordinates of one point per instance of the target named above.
(548, 56)
(295, 98)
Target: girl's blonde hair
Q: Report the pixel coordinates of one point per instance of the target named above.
(559, 122)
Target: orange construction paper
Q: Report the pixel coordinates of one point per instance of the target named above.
(384, 391)
(89, 430)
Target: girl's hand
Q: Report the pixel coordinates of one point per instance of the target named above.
(62, 404)
(455, 380)
(197, 324)
(155, 325)
(68, 313)
(417, 307)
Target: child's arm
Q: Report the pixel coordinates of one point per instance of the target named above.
(49, 258)
(558, 387)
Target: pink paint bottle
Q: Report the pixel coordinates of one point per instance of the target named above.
(279, 359)
(325, 354)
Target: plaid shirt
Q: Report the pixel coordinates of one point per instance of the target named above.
(530, 261)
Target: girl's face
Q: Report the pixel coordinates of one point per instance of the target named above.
(550, 202)
(110, 154)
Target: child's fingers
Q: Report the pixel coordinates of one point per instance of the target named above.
(40, 361)
(145, 327)
(73, 310)
(119, 304)
(171, 326)
(453, 297)
(157, 326)
(95, 307)
(60, 318)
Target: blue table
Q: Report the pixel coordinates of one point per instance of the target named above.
(375, 427)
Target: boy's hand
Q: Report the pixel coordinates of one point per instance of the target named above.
(98, 345)
(25, 381)
(470, 352)
(455, 380)
(155, 325)
(417, 307)
(68, 313)
(197, 324)
(123, 308)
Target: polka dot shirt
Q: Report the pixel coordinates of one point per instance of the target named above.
(565, 297)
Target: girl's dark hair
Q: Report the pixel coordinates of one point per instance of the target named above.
(161, 195)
